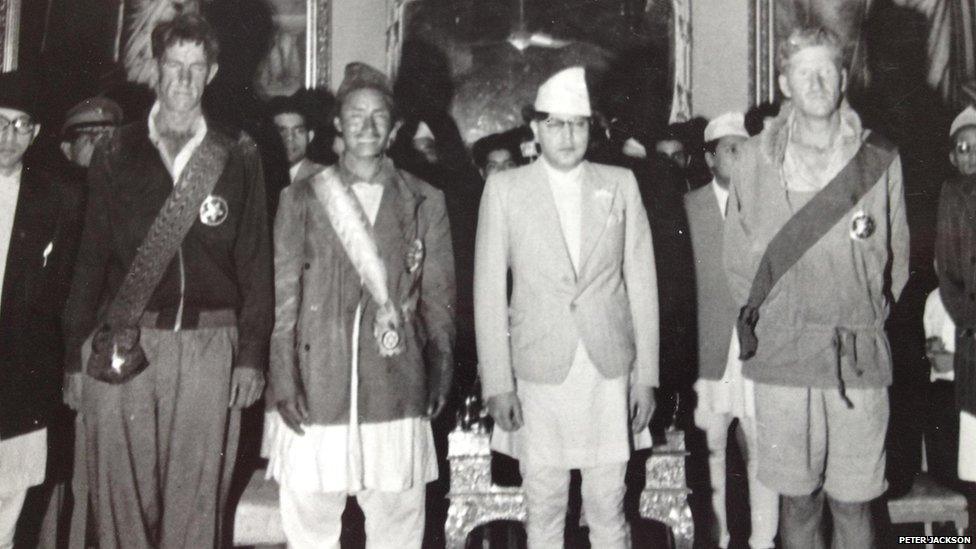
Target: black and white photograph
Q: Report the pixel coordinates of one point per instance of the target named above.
(487, 274)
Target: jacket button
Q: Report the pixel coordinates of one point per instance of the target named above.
(307, 266)
(307, 346)
(572, 307)
(968, 332)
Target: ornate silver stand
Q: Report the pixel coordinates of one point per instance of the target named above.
(476, 501)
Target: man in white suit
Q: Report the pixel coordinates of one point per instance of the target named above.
(568, 368)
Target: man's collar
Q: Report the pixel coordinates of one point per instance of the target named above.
(385, 175)
(573, 174)
(15, 175)
(198, 128)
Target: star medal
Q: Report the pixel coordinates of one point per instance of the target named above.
(415, 255)
(862, 226)
(213, 211)
(390, 340)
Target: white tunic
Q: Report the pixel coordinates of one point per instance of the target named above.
(388, 456)
(938, 324)
(583, 421)
(22, 458)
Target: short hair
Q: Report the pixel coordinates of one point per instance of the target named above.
(185, 27)
(286, 105)
(808, 37)
(755, 119)
(494, 142)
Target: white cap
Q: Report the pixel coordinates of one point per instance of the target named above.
(423, 131)
(724, 125)
(564, 93)
(966, 118)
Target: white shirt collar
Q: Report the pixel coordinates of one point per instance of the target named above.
(293, 171)
(721, 196)
(199, 129)
(13, 178)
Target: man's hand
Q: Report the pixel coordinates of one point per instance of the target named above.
(246, 387)
(72, 390)
(294, 412)
(506, 410)
(641, 406)
(435, 404)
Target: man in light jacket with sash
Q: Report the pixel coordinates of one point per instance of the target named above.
(816, 250)
(173, 290)
(361, 353)
(569, 366)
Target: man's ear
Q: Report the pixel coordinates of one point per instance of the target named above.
(311, 135)
(393, 132)
(710, 159)
(952, 159)
(213, 72)
(37, 131)
(66, 149)
(337, 123)
(784, 86)
(843, 80)
(534, 124)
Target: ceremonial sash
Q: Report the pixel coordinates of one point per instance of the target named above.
(117, 355)
(348, 219)
(808, 226)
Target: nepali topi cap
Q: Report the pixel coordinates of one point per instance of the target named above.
(564, 93)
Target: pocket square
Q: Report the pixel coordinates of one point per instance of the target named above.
(47, 252)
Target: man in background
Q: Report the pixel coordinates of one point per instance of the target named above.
(86, 123)
(724, 395)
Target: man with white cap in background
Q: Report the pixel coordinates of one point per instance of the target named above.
(568, 368)
(723, 394)
(955, 263)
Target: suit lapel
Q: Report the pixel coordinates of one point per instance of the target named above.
(598, 198)
(25, 231)
(550, 229)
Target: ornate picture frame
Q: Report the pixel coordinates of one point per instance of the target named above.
(300, 50)
(762, 51)
(10, 32)
(318, 43)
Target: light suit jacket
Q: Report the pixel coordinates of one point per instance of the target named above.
(611, 304)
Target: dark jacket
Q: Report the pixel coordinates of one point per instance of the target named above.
(34, 291)
(317, 290)
(716, 310)
(955, 263)
(227, 266)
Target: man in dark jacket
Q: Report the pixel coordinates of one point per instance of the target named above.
(162, 444)
(37, 242)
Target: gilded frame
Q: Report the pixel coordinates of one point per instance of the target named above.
(318, 43)
(762, 50)
(10, 32)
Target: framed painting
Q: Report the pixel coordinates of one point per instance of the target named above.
(299, 51)
(10, 32)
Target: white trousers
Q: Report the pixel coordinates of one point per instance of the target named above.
(763, 502)
(10, 505)
(394, 520)
(547, 496)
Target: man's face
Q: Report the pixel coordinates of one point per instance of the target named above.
(365, 123)
(79, 148)
(563, 139)
(814, 82)
(498, 160)
(17, 133)
(295, 135)
(674, 151)
(963, 155)
(724, 158)
(427, 147)
(183, 74)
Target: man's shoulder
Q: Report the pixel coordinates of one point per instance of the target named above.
(608, 171)
(421, 187)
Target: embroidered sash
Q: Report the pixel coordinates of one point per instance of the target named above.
(116, 354)
(808, 226)
(349, 220)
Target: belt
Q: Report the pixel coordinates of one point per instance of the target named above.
(192, 319)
